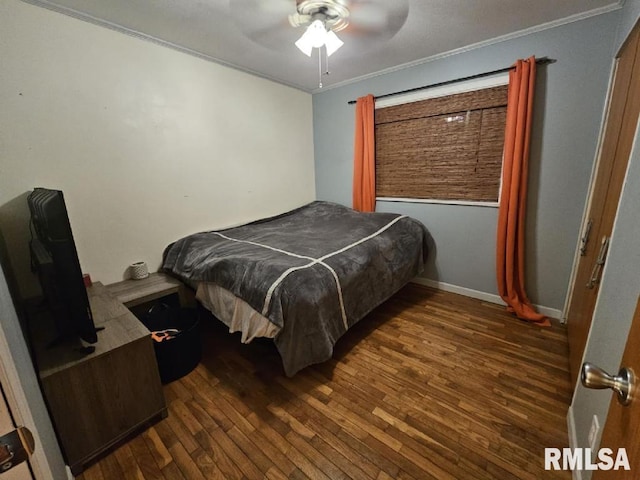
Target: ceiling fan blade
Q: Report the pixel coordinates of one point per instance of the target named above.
(369, 15)
(263, 7)
(375, 21)
(262, 21)
(298, 20)
(260, 13)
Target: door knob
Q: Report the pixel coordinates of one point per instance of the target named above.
(594, 377)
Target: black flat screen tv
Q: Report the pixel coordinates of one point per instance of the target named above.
(55, 259)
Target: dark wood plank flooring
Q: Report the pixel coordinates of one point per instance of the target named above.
(431, 385)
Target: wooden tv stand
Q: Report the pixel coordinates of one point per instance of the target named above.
(98, 399)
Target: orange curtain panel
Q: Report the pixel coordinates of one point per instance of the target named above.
(364, 161)
(510, 255)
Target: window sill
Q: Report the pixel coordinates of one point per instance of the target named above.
(439, 202)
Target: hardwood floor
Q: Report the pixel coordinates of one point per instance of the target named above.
(431, 385)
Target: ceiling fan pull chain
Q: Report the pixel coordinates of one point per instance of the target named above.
(326, 59)
(320, 67)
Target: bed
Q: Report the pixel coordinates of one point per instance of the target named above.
(302, 278)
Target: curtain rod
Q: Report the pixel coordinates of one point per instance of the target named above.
(539, 61)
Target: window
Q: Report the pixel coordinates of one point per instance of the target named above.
(447, 148)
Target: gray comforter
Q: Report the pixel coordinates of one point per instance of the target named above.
(314, 271)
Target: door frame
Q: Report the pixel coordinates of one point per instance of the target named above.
(23, 393)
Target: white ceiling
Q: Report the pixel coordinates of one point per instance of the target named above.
(213, 29)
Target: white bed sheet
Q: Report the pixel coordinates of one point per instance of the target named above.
(235, 313)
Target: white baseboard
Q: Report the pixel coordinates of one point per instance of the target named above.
(487, 297)
(573, 439)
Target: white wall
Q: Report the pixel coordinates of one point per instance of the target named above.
(148, 144)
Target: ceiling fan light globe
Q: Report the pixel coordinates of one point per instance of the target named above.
(313, 37)
(304, 45)
(332, 42)
(317, 33)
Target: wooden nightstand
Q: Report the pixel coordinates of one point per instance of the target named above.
(135, 292)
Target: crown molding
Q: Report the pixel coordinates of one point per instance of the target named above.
(70, 12)
(503, 38)
(143, 36)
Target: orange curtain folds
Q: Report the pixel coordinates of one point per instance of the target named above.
(510, 254)
(364, 160)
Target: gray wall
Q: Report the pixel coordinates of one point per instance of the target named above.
(570, 99)
(619, 290)
(628, 19)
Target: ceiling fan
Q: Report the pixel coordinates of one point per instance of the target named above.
(322, 18)
(363, 24)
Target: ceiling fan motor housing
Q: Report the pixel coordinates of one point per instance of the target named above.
(333, 13)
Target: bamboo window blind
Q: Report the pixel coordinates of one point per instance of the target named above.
(446, 148)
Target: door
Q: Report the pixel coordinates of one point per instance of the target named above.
(622, 429)
(620, 127)
(20, 390)
(15, 470)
